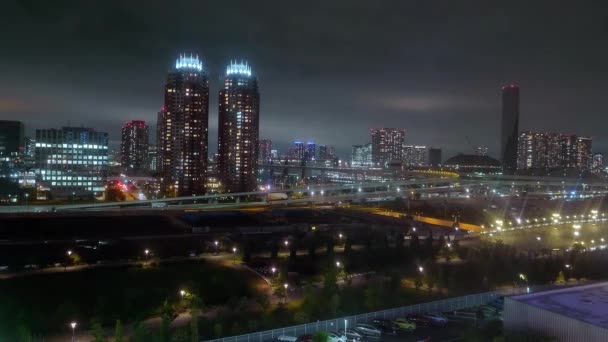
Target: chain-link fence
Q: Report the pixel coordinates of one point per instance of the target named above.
(342, 323)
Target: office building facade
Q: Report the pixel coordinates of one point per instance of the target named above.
(134, 146)
(71, 161)
(238, 129)
(415, 155)
(182, 129)
(387, 145)
(361, 156)
(327, 152)
(509, 127)
(311, 151)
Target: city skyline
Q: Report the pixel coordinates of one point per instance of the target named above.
(439, 93)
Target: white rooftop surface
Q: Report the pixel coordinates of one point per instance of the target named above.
(588, 303)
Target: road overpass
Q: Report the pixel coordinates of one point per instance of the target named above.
(317, 194)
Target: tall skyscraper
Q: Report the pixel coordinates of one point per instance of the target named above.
(72, 161)
(434, 157)
(540, 150)
(182, 129)
(134, 146)
(152, 158)
(509, 127)
(297, 152)
(361, 155)
(238, 129)
(598, 163)
(265, 150)
(326, 152)
(387, 145)
(12, 138)
(311, 151)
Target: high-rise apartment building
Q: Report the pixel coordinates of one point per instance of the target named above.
(509, 128)
(297, 152)
(265, 154)
(71, 161)
(597, 165)
(182, 129)
(540, 150)
(415, 155)
(387, 145)
(311, 151)
(238, 129)
(152, 158)
(361, 156)
(134, 146)
(326, 152)
(12, 149)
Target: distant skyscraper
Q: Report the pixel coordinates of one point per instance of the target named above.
(182, 129)
(152, 158)
(481, 151)
(12, 138)
(415, 155)
(72, 161)
(297, 152)
(274, 154)
(434, 157)
(326, 152)
(134, 146)
(238, 129)
(361, 155)
(538, 150)
(265, 150)
(509, 127)
(387, 144)
(598, 163)
(311, 151)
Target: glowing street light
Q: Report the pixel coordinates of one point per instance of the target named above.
(286, 243)
(337, 264)
(567, 266)
(420, 269)
(538, 238)
(576, 233)
(69, 252)
(73, 325)
(182, 293)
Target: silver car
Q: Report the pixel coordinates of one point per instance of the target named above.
(367, 330)
(352, 335)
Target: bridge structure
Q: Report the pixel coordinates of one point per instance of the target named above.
(425, 182)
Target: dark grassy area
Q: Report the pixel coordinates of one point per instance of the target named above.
(45, 303)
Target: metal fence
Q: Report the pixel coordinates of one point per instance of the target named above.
(452, 304)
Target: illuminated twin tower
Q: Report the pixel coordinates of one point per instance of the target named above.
(183, 125)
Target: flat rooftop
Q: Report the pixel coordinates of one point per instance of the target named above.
(587, 303)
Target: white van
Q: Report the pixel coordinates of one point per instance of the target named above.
(286, 338)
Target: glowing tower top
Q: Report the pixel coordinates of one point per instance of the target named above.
(236, 68)
(185, 62)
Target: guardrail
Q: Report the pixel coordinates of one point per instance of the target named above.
(451, 304)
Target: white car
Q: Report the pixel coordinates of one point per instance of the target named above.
(353, 336)
(367, 330)
(335, 337)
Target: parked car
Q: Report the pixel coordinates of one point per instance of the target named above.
(287, 338)
(353, 336)
(367, 330)
(305, 338)
(405, 324)
(335, 337)
(386, 326)
(437, 319)
(421, 321)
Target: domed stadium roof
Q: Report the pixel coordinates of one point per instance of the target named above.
(472, 161)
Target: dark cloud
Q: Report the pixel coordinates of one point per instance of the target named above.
(328, 70)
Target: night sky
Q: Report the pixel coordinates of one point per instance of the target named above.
(328, 70)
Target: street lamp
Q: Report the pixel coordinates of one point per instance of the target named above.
(26, 196)
(69, 252)
(337, 264)
(421, 269)
(216, 246)
(182, 293)
(234, 253)
(285, 286)
(286, 243)
(73, 325)
(538, 238)
(345, 325)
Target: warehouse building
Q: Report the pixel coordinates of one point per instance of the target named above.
(570, 314)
